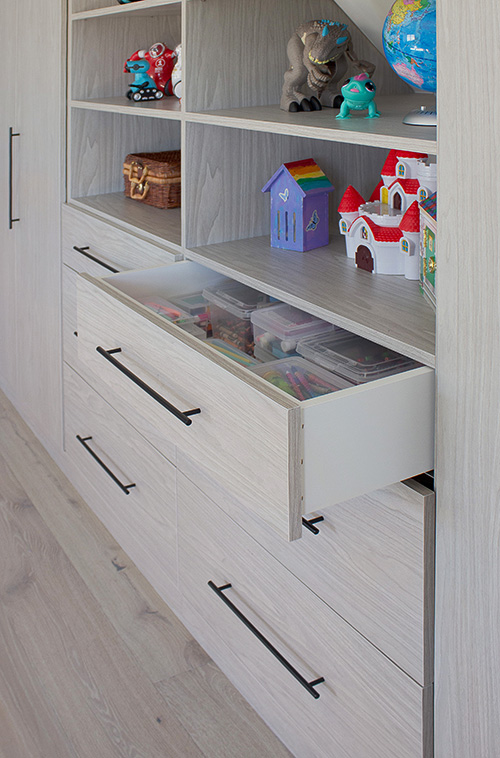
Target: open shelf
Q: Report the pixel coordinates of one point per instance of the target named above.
(168, 107)
(143, 8)
(388, 131)
(389, 310)
(161, 226)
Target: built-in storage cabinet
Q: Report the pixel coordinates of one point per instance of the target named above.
(228, 465)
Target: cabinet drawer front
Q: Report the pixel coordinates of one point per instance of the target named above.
(376, 554)
(143, 521)
(371, 560)
(367, 707)
(112, 247)
(246, 439)
(279, 456)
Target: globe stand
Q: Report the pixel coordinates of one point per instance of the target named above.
(423, 116)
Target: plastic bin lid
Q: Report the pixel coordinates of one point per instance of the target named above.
(354, 357)
(284, 321)
(236, 298)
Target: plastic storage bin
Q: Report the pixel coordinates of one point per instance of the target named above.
(355, 358)
(231, 306)
(277, 330)
(300, 378)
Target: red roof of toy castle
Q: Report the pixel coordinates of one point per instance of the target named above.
(409, 186)
(411, 220)
(389, 167)
(383, 233)
(375, 196)
(351, 200)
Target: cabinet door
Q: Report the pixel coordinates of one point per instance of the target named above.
(8, 181)
(39, 151)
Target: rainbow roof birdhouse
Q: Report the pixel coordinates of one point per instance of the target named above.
(299, 206)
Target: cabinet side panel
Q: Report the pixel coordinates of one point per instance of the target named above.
(468, 316)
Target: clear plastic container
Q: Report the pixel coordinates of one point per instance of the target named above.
(277, 330)
(300, 378)
(167, 309)
(355, 358)
(232, 352)
(194, 304)
(231, 306)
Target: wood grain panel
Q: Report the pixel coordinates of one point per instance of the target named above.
(144, 521)
(239, 431)
(367, 707)
(107, 242)
(229, 80)
(372, 562)
(468, 317)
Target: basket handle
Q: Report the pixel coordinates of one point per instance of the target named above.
(133, 172)
(139, 190)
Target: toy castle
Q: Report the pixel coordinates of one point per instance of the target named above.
(383, 234)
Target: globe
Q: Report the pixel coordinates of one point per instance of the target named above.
(409, 38)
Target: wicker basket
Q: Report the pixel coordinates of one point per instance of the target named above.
(154, 178)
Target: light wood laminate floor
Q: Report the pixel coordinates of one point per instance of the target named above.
(92, 663)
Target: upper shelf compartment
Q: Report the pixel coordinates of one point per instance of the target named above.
(103, 38)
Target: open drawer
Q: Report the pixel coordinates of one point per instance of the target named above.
(279, 456)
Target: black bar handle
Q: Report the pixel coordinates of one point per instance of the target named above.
(12, 134)
(181, 415)
(124, 487)
(309, 686)
(309, 523)
(83, 251)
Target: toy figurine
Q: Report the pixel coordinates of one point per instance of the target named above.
(320, 53)
(358, 93)
(143, 87)
(177, 73)
(152, 72)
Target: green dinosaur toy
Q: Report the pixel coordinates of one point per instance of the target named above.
(358, 93)
(320, 53)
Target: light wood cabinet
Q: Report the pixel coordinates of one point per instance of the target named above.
(32, 191)
(357, 604)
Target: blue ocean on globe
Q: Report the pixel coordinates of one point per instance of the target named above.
(409, 38)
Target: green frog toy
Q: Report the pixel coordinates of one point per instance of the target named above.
(358, 93)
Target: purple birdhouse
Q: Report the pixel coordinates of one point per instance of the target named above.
(299, 206)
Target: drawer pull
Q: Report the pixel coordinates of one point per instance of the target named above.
(12, 134)
(181, 415)
(309, 523)
(309, 686)
(124, 487)
(83, 251)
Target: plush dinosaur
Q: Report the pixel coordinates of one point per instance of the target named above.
(320, 53)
